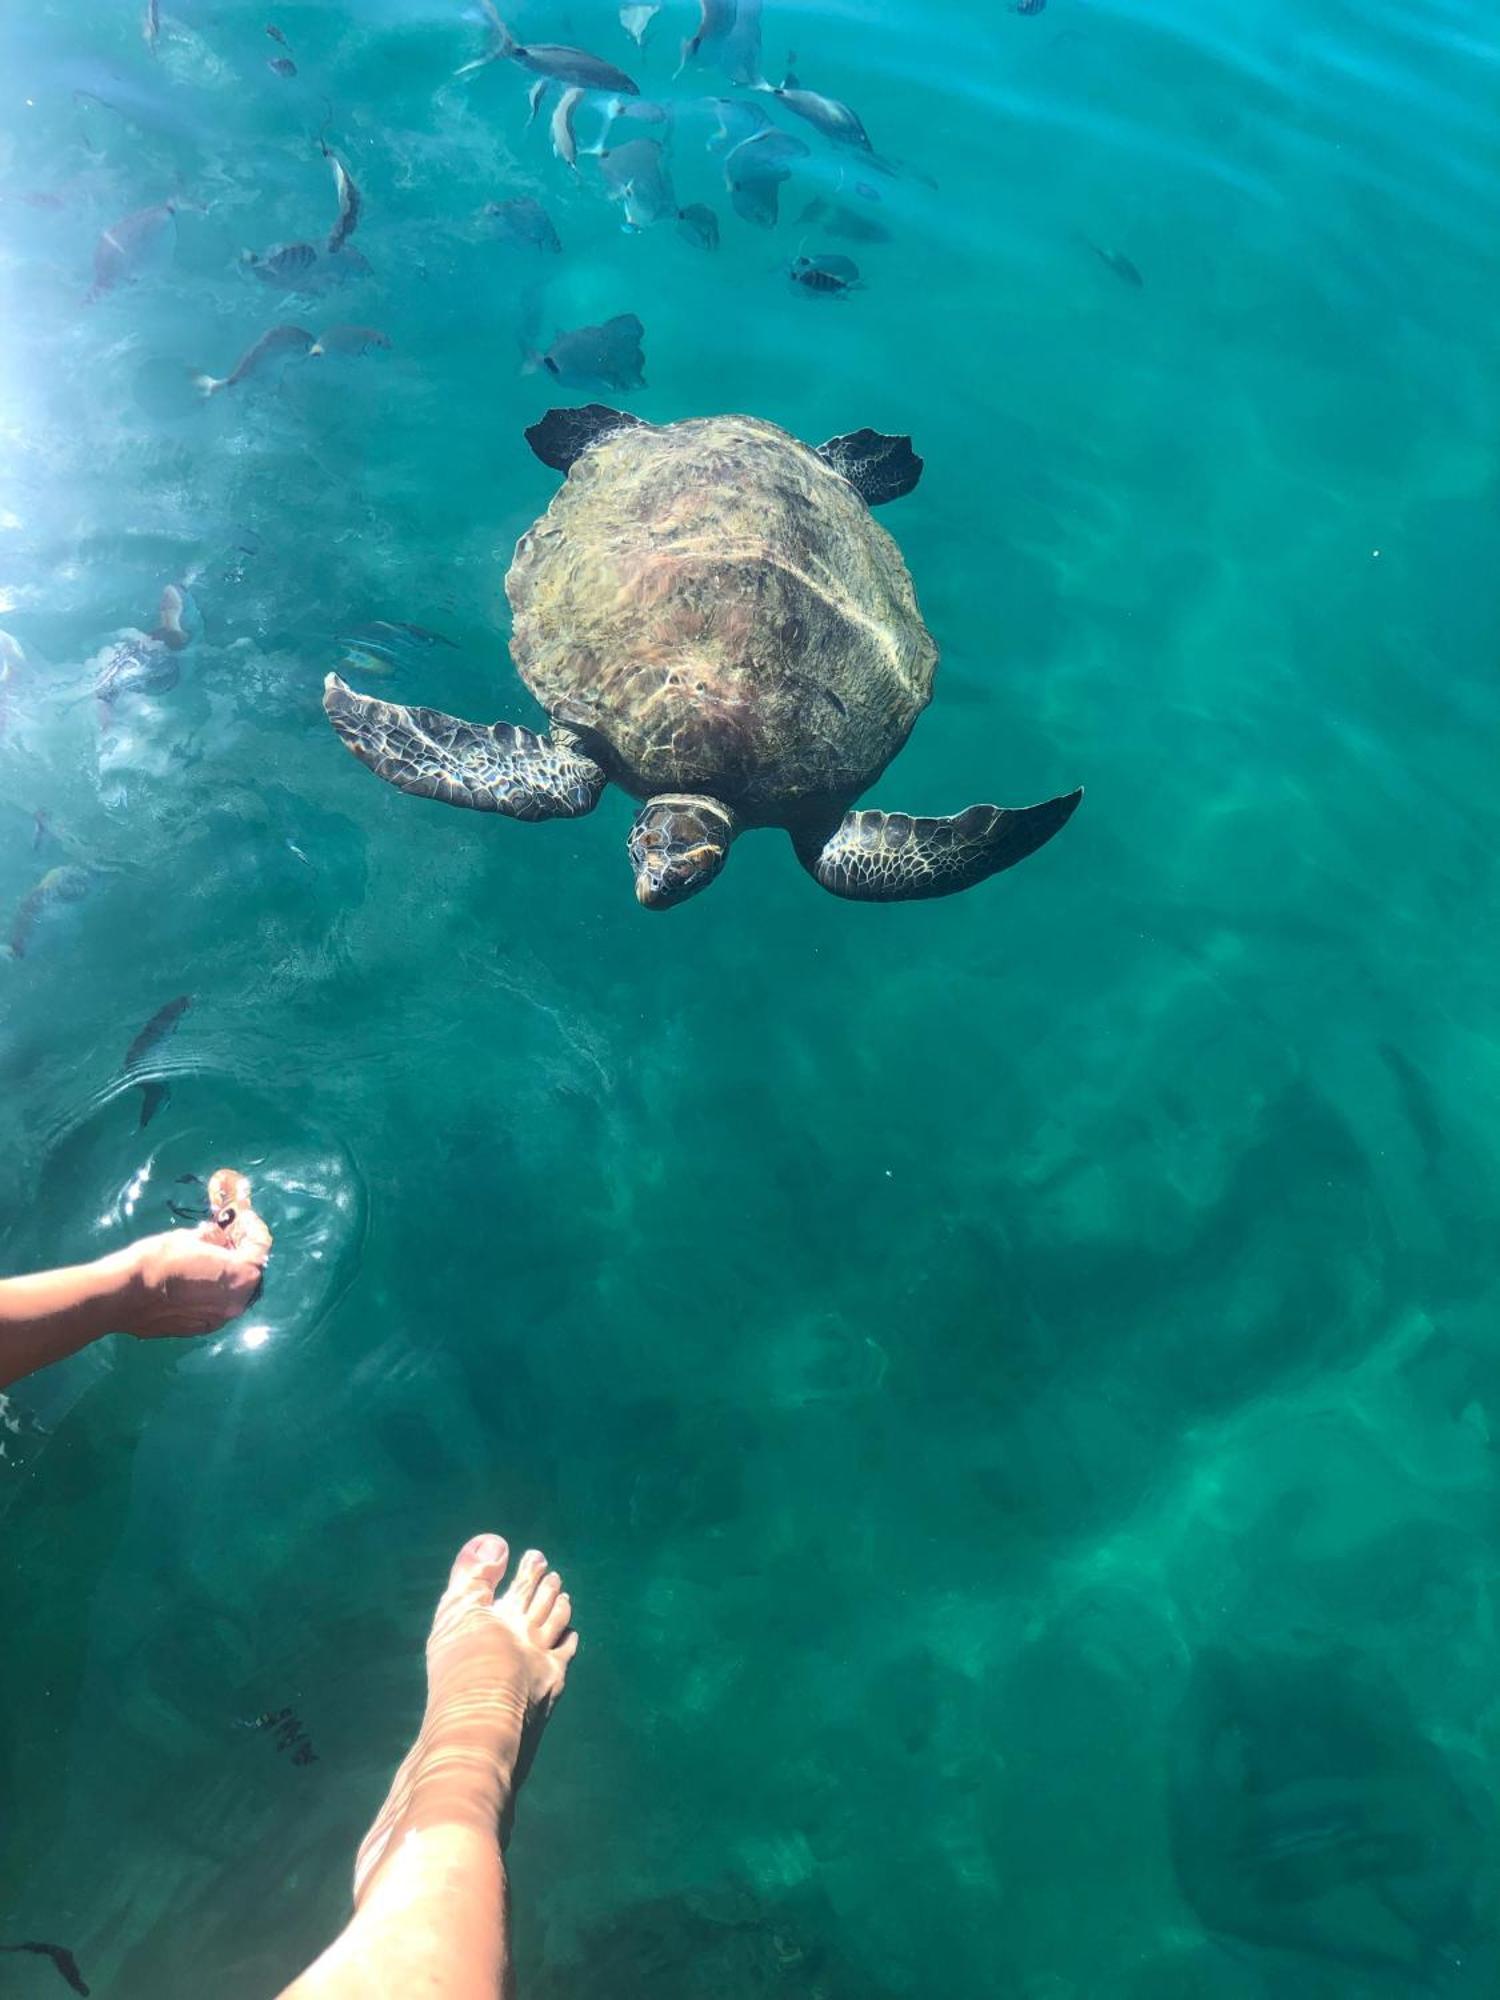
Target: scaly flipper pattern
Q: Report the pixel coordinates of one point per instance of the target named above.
(878, 857)
(490, 767)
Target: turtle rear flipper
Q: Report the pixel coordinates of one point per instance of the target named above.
(491, 767)
(877, 857)
(563, 435)
(879, 468)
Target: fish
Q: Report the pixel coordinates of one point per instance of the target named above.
(284, 264)
(382, 645)
(729, 31)
(555, 60)
(638, 179)
(564, 138)
(610, 353)
(348, 340)
(731, 112)
(281, 65)
(151, 24)
(1119, 263)
(636, 20)
(59, 885)
(60, 1956)
(523, 220)
(841, 221)
(276, 35)
(175, 609)
(754, 171)
(38, 828)
(828, 273)
(829, 115)
(280, 340)
(163, 1023)
(534, 97)
(1028, 6)
(349, 201)
(127, 246)
(698, 223)
(135, 664)
(12, 667)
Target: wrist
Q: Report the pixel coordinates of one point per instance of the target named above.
(121, 1286)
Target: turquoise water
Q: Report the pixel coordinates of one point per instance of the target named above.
(1013, 1381)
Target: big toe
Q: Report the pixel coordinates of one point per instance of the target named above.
(479, 1566)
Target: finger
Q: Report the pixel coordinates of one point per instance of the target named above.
(210, 1232)
(249, 1235)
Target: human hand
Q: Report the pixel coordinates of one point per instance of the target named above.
(190, 1281)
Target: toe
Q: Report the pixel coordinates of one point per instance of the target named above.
(546, 1597)
(557, 1620)
(567, 1649)
(479, 1565)
(529, 1573)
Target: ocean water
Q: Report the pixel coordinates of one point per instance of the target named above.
(1013, 1382)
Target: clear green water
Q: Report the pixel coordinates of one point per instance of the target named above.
(1013, 1382)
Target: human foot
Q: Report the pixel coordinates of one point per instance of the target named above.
(495, 1667)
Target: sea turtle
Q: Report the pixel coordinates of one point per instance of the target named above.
(711, 618)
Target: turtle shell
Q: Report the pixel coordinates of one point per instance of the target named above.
(715, 610)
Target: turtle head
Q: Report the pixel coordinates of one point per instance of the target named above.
(677, 847)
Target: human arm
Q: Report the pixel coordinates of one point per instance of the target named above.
(182, 1282)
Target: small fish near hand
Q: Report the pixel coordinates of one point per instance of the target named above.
(280, 343)
(610, 353)
(828, 273)
(61, 1957)
(1119, 263)
(349, 340)
(554, 60)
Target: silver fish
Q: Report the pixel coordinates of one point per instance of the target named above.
(279, 341)
(638, 179)
(564, 138)
(276, 35)
(610, 353)
(154, 1093)
(523, 220)
(348, 340)
(534, 97)
(281, 66)
(828, 273)
(698, 223)
(349, 202)
(59, 885)
(715, 23)
(284, 264)
(151, 25)
(833, 118)
(555, 60)
(127, 246)
(736, 121)
(636, 20)
(754, 171)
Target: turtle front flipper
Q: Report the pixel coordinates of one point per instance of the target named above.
(878, 857)
(879, 468)
(492, 767)
(563, 435)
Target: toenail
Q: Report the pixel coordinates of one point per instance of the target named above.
(486, 1549)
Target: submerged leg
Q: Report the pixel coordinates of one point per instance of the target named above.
(877, 857)
(431, 1905)
(493, 767)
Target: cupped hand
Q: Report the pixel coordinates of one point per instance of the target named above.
(188, 1281)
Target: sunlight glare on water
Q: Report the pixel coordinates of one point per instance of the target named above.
(1012, 1380)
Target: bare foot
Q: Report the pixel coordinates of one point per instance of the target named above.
(495, 1667)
